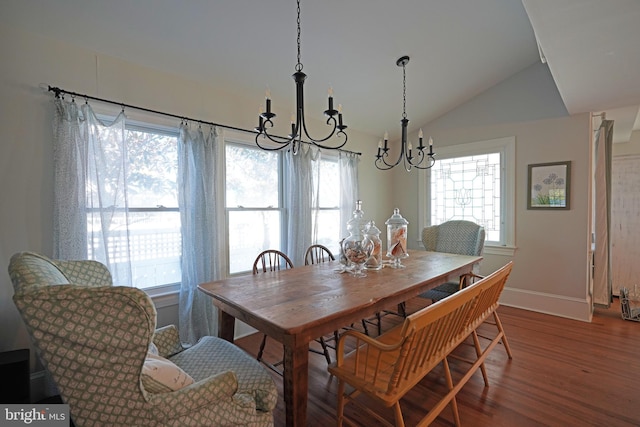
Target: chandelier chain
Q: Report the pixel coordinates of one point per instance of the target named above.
(299, 64)
(404, 92)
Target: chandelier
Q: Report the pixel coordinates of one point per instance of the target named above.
(406, 149)
(298, 124)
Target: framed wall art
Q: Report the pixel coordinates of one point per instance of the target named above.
(549, 186)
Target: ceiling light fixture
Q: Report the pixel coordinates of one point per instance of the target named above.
(298, 124)
(406, 150)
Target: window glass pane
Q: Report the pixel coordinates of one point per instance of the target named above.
(468, 188)
(251, 232)
(152, 236)
(252, 178)
(153, 169)
(329, 229)
(329, 184)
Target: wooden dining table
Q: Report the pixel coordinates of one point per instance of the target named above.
(298, 305)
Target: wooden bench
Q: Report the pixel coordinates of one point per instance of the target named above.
(387, 367)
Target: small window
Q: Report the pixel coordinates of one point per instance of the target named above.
(473, 182)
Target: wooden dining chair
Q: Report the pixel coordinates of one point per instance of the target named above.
(274, 260)
(316, 254)
(270, 260)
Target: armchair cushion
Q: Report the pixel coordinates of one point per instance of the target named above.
(160, 375)
(211, 356)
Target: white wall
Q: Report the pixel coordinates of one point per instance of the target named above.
(26, 114)
(551, 258)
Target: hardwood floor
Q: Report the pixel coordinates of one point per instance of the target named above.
(563, 373)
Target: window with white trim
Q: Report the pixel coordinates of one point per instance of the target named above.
(254, 210)
(473, 182)
(255, 213)
(327, 227)
(152, 236)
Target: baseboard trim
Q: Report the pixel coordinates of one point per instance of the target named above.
(556, 305)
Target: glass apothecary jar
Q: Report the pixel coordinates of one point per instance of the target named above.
(374, 262)
(357, 247)
(397, 238)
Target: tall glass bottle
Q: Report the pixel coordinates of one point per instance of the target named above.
(397, 238)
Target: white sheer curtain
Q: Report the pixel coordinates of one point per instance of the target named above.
(90, 192)
(197, 202)
(348, 188)
(301, 199)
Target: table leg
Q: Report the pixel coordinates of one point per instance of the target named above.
(226, 326)
(296, 380)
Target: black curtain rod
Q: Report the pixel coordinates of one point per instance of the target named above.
(58, 92)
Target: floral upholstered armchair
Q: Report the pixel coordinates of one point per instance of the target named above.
(114, 368)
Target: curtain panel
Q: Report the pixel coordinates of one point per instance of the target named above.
(200, 258)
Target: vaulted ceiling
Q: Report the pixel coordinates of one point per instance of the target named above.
(458, 49)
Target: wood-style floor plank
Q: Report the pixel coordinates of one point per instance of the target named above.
(563, 373)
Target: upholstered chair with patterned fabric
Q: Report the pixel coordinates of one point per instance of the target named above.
(112, 366)
(456, 237)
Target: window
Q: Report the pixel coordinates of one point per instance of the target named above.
(255, 208)
(473, 182)
(254, 215)
(152, 235)
(328, 215)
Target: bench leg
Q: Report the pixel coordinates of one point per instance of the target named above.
(476, 344)
(454, 403)
(398, 414)
(340, 409)
(504, 336)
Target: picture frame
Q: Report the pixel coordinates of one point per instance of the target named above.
(549, 186)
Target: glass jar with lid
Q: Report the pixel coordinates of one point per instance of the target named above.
(357, 247)
(397, 238)
(374, 262)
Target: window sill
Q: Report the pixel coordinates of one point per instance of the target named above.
(164, 296)
(500, 250)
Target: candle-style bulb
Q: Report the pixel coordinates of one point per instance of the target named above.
(330, 91)
(430, 142)
(380, 144)
(267, 93)
(386, 136)
(340, 108)
(420, 134)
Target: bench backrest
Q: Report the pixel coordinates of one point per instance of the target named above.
(395, 362)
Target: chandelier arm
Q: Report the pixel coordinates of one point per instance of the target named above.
(432, 161)
(385, 155)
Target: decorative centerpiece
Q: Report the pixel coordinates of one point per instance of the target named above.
(357, 247)
(397, 238)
